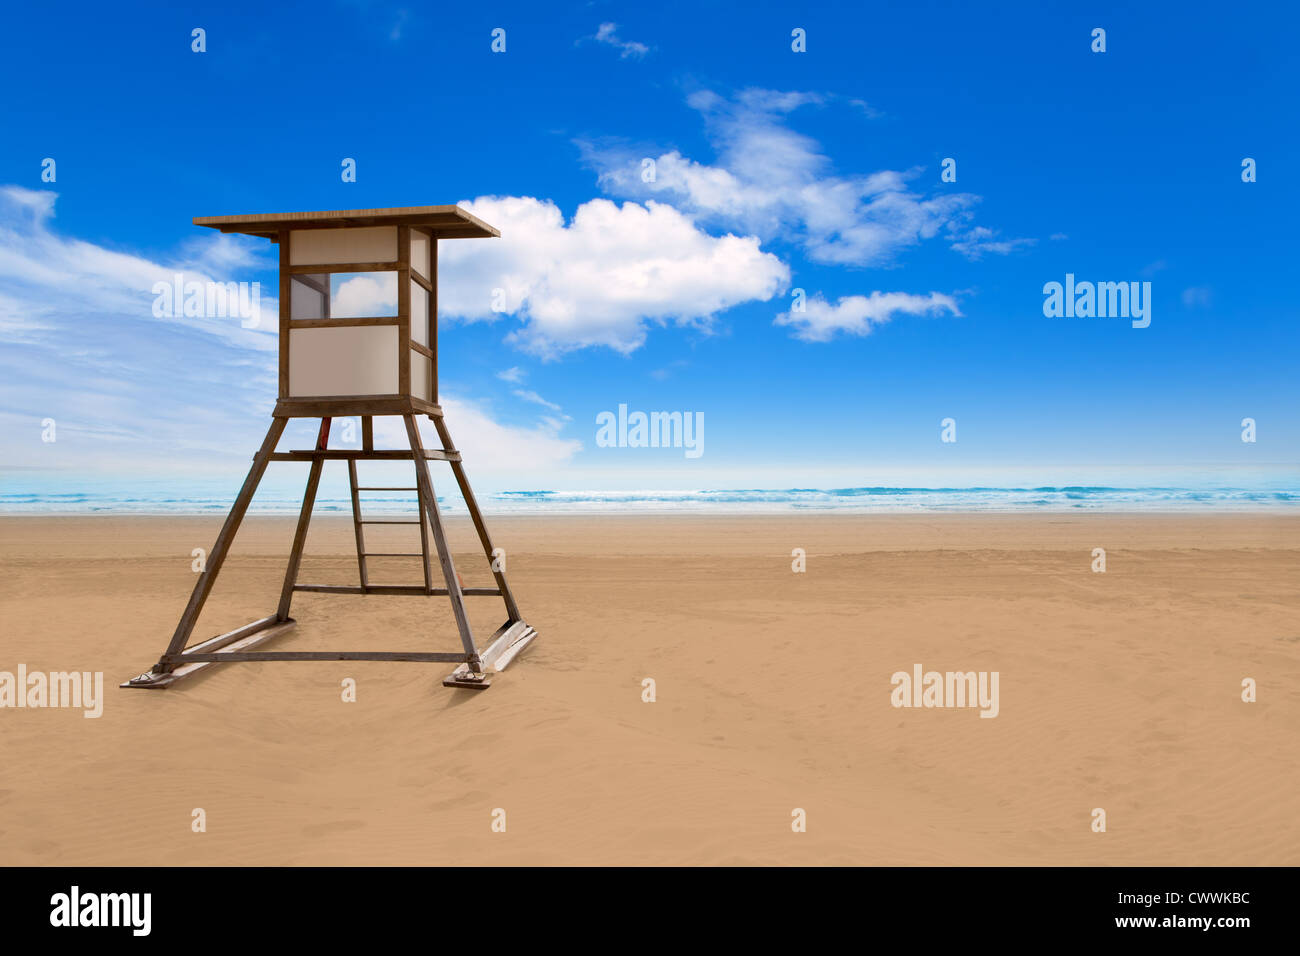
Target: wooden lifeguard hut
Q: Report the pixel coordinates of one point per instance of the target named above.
(335, 362)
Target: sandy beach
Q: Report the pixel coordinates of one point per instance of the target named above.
(1119, 690)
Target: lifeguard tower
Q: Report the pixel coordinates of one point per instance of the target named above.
(337, 359)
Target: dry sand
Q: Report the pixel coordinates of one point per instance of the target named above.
(1119, 690)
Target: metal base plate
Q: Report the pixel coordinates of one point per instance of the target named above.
(467, 679)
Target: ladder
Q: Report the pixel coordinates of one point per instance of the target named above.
(359, 522)
(181, 660)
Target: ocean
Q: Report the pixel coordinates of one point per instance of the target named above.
(195, 498)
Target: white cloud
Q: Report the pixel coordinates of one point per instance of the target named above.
(607, 33)
(514, 375)
(774, 182)
(360, 296)
(133, 393)
(488, 446)
(975, 243)
(47, 275)
(860, 314)
(598, 279)
(530, 396)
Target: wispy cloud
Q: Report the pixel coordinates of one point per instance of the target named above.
(981, 241)
(47, 274)
(666, 372)
(772, 181)
(530, 396)
(82, 346)
(860, 314)
(607, 34)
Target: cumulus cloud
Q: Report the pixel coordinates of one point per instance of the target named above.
(357, 296)
(860, 314)
(598, 279)
(772, 181)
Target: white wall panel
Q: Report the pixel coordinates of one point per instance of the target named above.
(309, 247)
(351, 360)
(419, 314)
(420, 252)
(421, 371)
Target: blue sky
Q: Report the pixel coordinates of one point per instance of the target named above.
(776, 171)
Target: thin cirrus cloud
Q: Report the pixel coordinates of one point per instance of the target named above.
(602, 278)
(607, 35)
(820, 321)
(47, 275)
(84, 347)
(772, 181)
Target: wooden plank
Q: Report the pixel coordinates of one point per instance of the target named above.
(192, 668)
(304, 519)
(367, 320)
(413, 590)
(299, 539)
(445, 232)
(441, 219)
(343, 406)
(404, 310)
(433, 319)
(437, 657)
(333, 267)
(505, 635)
(432, 409)
(362, 576)
(462, 480)
(421, 281)
(514, 650)
(367, 433)
(238, 634)
(345, 454)
(425, 564)
(285, 313)
(507, 643)
(316, 284)
(440, 543)
(208, 577)
(422, 349)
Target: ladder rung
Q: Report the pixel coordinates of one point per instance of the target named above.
(381, 488)
(392, 554)
(374, 521)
